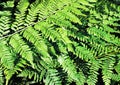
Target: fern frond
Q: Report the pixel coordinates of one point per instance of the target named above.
(1, 77)
(52, 77)
(104, 50)
(32, 36)
(4, 25)
(32, 12)
(6, 55)
(8, 4)
(69, 67)
(18, 67)
(20, 15)
(70, 16)
(21, 48)
(9, 74)
(31, 73)
(116, 77)
(83, 2)
(104, 35)
(23, 5)
(109, 29)
(84, 54)
(107, 68)
(48, 31)
(117, 69)
(93, 73)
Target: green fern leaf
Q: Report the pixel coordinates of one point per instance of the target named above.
(52, 77)
(32, 35)
(69, 67)
(6, 55)
(20, 47)
(1, 77)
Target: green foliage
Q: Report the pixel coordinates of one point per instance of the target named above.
(1, 77)
(56, 42)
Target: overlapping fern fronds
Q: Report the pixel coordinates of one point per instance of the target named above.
(56, 42)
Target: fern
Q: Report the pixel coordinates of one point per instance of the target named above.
(107, 72)
(20, 15)
(55, 42)
(38, 42)
(6, 56)
(52, 77)
(72, 72)
(93, 74)
(1, 77)
(4, 27)
(21, 48)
